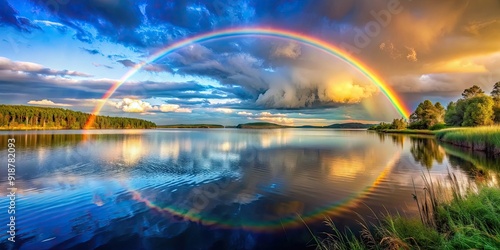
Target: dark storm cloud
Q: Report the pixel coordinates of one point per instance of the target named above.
(425, 47)
(182, 13)
(230, 69)
(116, 13)
(115, 19)
(34, 85)
(9, 16)
(31, 79)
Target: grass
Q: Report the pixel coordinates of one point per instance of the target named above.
(485, 139)
(480, 138)
(450, 217)
(408, 131)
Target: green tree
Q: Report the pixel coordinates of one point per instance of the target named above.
(452, 117)
(427, 115)
(495, 94)
(479, 111)
(472, 92)
(399, 124)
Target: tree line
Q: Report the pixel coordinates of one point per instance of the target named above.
(29, 117)
(474, 108)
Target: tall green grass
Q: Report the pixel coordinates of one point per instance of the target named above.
(451, 216)
(478, 138)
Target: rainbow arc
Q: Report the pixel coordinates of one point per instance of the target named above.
(329, 48)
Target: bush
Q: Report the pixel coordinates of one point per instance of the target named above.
(438, 126)
(418, 125)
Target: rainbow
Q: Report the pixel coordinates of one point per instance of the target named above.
(329, 48)
(333, 209)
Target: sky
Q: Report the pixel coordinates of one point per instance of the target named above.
(68, 53)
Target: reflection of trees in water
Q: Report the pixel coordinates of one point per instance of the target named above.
(36, 140)
(426, 150)
(381, 137)
(459, 163)
(398, 140)
(476, 158)
(478, 165)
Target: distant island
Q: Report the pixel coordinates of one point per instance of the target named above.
(19, 117)
(268, 125)
(191, 126)
(351, 125)
(261, 125)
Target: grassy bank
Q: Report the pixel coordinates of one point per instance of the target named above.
(450, 218)
(485, 139)
(407, 131)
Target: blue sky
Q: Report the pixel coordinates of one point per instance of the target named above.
(67, 53)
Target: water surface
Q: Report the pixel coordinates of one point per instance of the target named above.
(214, 189)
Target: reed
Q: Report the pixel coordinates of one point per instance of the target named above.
(451, 216)
(479, 138)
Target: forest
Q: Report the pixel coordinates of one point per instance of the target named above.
(29, 117)
(475, 108)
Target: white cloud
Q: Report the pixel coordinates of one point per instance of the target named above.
(275, 118)
(134, 106)
(224, 110)
(183, 110)
(279, 120)
(49, 23)
(139, 106)
(268, 114)
(245, 113)
(168, 107)
(46, 102)
(29, 67)
(174, 108)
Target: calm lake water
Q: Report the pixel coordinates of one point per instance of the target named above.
(213, 189)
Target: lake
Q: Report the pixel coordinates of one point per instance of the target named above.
(214, 188)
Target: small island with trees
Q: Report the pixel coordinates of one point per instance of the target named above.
(472, 121)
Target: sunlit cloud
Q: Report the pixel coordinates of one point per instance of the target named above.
(289, 50)
(224, 110)
(138, 106)
(243, 113)
(279, 120)
(274, 118)
(412, 55)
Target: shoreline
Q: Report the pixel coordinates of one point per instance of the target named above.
(484, 139)
(70, 129)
